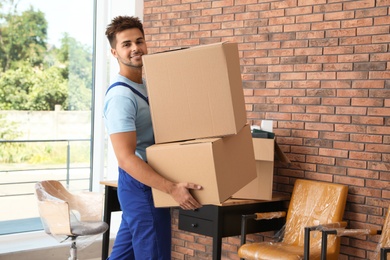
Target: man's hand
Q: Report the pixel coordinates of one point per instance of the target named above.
(181, 194)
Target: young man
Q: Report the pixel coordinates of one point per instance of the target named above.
(145, 231)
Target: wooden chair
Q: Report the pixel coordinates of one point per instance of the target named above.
(313, 206)
(68, 216)
(383, 248)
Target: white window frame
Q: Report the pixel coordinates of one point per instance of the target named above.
(106, 68)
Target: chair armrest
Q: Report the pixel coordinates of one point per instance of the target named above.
(55, 217)
(384, 252)
(258, 216)
(321, 227)
(343, 232)
(270, 215)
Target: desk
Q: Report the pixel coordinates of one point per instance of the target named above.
(111, 204)
(217, 221)
(224, 220)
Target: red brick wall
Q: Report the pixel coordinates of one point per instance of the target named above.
(321, 70)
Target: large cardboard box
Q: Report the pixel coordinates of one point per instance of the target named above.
(221, 165)
(266, 149)
(195, 92)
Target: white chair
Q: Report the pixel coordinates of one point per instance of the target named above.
(68, 216)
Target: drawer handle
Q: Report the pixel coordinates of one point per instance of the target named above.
(194, 225)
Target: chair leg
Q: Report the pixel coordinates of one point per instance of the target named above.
(73, 251)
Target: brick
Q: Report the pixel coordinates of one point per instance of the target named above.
(364, 4)
(272, 13)
(322, 59)
(294, 44)
(365, 156)
(379, 166)
(366, 102)
(350, 128)
(324, 42)
(306, 84)
(292, 76)
(309, 18)
(281, 20)
(378, 148)
(290, 125)
(353, 75)
(299, 10)
(339, 15)
(310, 2)
(331, 169)
(385, 130)
(321, 109)
(306, 117)
(327, 8)
(367, 120)
(370, 84)
(337, 66)
(349, 180)
(334, 136)
(291, 109)
(199, 6)
(222, 3)
(380, 57)
(310, 35)
(333, 153)
(288, 4)
(304, 133)
(279, 100)
(326, 25)
(338, 50)
(271, 29)
(278, 116)
(372, 30)
(357, 22)
(320, 160)
(357, 40)
(336, 101)
(335, 119)
(308, 51)
(379, 74)
(321, 75)
(226, 19)
(321, 92)
(341, 33)
(349, 146)
(366, 138)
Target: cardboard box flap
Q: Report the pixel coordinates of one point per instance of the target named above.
(280, 155)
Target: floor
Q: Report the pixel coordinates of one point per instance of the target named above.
(38, 246)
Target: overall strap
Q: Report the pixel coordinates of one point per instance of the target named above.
(131, 88)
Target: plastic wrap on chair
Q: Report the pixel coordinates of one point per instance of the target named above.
(312, 204)
(68, 215)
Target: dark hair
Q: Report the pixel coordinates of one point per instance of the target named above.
(121, 23)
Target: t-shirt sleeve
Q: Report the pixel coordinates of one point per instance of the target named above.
(120, 113)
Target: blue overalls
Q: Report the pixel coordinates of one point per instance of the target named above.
(145, 231)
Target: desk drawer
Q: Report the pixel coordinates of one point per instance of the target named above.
(196, 225)
(206, 212)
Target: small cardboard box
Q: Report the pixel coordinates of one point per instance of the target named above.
(221, 165)
(261, 188)
(195, 92)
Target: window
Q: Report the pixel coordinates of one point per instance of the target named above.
(46, 95)
(75, 35)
